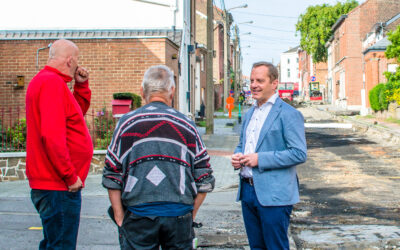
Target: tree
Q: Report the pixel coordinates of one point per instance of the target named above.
(393, 51)
(315, 27)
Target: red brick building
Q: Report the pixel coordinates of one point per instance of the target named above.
(116, 59)
(201, 38)
(345, 51)
(307, 69)
(375, 62)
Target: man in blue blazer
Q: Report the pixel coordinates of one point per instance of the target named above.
(272, 143)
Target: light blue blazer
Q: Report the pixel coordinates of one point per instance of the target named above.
(280, 147)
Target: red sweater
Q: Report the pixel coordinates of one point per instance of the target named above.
(59, 147)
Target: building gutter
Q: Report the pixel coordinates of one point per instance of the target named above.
(339, 22)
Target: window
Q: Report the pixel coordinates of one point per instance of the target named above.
(288, 73)
(288, 61)
(392, 67)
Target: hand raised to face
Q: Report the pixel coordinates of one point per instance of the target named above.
(81, 74)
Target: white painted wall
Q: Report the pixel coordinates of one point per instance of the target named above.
(289, 62)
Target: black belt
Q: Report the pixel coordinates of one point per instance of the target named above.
(248, 180)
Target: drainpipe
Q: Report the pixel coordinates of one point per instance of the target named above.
(37, 55)
(174, 26)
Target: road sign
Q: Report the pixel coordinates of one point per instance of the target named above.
(313, 79)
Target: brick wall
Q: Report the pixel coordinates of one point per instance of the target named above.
(321, 73)
(201, 35)
(115, 65)
(376, 11)
(375, 65)
(352, 48)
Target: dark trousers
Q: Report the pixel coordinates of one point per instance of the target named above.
(147, 233)
(266, 227)
(60, 214)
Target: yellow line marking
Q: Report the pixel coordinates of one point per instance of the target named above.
(35, 228)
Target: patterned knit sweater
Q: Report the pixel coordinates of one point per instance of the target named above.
(157, 155)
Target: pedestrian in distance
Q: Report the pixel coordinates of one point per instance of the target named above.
(157, 170)
(59, 147)
(272, 143)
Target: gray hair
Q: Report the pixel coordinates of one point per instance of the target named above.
(272, 70)
(157, 79)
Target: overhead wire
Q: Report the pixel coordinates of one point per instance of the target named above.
(259, 14)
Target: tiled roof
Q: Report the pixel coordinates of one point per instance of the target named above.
(381, 45)
(91, 34)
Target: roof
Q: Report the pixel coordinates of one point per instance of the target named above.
(379, 46)
(174, 36)
(338, 22)
(293, 50)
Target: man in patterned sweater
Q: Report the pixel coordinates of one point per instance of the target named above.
(156, 170)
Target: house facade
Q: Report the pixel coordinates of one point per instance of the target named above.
(347, 84)
(201, 40)
(116, 60)
(175, 16)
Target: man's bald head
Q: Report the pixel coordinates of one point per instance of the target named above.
(62, 48)
(63, 56)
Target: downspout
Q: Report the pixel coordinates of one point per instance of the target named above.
(174, 25)
(37, 55)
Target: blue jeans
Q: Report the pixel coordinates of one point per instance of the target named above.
(60, 213)
(266, 226)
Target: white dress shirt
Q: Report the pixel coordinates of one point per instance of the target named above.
(253, 130)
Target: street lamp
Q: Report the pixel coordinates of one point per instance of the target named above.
(237, 7)
(227, 50)
(248, 22)
(245, 34)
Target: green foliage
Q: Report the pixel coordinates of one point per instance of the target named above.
(201, 123)
(315, 27)
(393, 51)
(136, 99)
(122, 96)
(378, 97)
(104, 125)
(16, 135)
(102, 143)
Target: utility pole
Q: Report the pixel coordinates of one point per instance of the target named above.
(226, 58)
(209, 63)
(236, 50)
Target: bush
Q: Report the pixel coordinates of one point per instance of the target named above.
(393, 86)
(16, 135)
(136, 99)
(378, 97)
(104, 125)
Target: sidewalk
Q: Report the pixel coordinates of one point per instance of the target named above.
(220, 214)
(378, 129)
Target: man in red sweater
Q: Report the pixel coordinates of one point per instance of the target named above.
(59, 147)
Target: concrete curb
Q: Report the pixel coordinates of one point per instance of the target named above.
(375, 131)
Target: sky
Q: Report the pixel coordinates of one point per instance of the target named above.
(272, 30)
